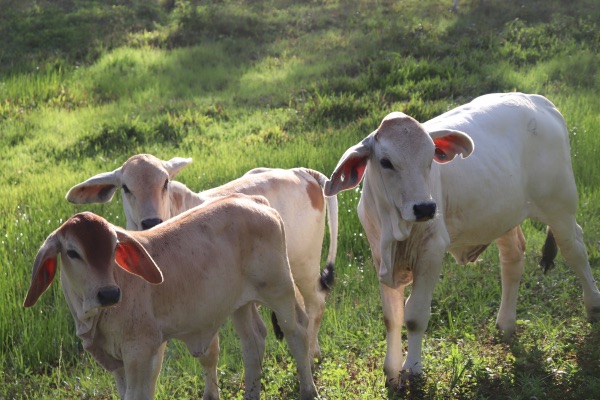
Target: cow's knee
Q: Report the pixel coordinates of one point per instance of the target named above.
(412, 325)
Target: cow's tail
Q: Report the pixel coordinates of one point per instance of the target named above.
(327, 276)
(549, 251)
(276, 327)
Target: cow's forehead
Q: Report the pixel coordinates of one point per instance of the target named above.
(92, 234)
(401, 133)
(143, 169)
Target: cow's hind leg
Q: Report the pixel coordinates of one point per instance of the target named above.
(314, 304)
(252, 332)
(511, 247)
(293, 322)
(569, 238)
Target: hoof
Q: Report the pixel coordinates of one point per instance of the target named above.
(593, 314)
(506, 335)
(309, 394)
(406, 380)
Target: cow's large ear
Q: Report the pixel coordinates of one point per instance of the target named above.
(350, 169)
(450, 143)
(97, 189)
(44, 269)
(133, 257)
(175, 164)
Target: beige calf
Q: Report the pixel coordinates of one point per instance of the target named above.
(130, 292)
(150, 196)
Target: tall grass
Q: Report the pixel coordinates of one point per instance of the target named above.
(235, 85)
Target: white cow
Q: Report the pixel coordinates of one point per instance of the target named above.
(192, 273)
(150, 196)
(414, 210)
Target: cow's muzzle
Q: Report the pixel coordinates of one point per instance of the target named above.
(424, 211)
(109, 296)
(151, 223)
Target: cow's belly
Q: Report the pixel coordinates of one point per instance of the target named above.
(466, 254)
(469, 239)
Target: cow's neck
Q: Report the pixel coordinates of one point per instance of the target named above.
(99, 345)
(88, 329)
(182, 198)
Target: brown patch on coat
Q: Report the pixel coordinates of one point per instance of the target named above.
(94, 235)
(316, 195)
(177, 200)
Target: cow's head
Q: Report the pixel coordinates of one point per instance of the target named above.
(90, 249)
(396, 160)
(144, 180)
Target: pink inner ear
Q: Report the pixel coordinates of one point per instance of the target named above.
(446, 148)
(129, 258)
(41, 281)
(353, 172)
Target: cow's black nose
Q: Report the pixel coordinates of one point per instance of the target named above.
(424, 211)
(109, 296)
(150, 223)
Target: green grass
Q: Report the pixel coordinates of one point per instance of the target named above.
(236, 85)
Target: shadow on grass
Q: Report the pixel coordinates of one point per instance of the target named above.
(588, 359)
(530, 374)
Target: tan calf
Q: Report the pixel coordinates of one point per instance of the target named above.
(130, 292)
(150, 196)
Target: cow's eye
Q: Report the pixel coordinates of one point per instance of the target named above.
(386, 164)
(166, 185)
(126, 189)
(73, 255)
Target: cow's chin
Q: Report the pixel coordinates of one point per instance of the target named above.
(401, 230)
(93, 307)
(90, 310)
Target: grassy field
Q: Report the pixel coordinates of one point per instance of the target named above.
(239, 84)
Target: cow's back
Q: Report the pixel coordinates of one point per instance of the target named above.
(298, 198)
(218, 257)
(521, 156)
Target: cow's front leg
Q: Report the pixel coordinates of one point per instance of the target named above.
(142, 364)
(418, 309)
(120, 381)
(393, 316)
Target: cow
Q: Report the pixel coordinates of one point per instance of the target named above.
(420, 200)
(130, 292)
(150, 196)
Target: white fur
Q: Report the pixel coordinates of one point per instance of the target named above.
(520, 167)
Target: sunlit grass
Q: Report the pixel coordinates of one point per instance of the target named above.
(236, 85)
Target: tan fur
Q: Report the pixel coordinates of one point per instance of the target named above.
(295, 193)
(217, 260)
